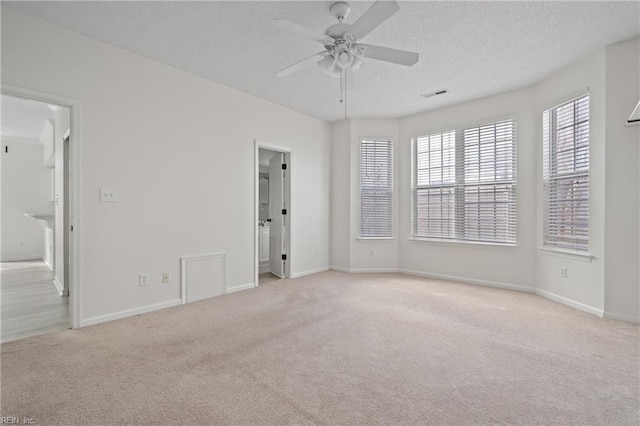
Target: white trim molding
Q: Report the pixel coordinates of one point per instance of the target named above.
(570, 302)
(130, 312)
(484, 283)
(309, 272)
(524, 289)
(568, 254)
(374, 270)
(365, 270)
(240, 287)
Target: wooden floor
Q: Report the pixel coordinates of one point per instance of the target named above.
(30, 302)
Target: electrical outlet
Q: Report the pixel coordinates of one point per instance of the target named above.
(166, 278)
(108, 195)
(143, 279)
(371, 252)
(563, 272)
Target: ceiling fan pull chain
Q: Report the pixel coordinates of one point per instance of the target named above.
(341, 74)
(344, 75)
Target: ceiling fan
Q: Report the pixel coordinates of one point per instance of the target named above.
(343, 53)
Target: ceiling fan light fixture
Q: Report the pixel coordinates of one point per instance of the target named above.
(336, 72)
(357, 63)
(344, 59)
(327, 63)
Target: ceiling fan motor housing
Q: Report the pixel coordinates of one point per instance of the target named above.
(340, 10)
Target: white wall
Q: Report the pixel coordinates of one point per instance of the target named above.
(341, 195)
(348, 251)
(511, 267)
(607, 282)
(367, 254)
(26, 187)
(584, 285)
(622, 231)
(180, 150)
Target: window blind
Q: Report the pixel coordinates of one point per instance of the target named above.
(464, 184)
(566, 175)
(376, 188)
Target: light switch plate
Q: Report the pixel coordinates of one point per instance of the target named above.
(108, 195)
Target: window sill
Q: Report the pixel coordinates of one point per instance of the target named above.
(462, 242)
(369, 239)
(570, 254)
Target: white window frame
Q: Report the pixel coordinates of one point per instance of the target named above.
(368, 231)
(457, 188)
(551, 236)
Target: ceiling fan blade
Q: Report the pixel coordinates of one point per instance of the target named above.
(300, 65)
(387, 54)
(376, 15)
(299, 30)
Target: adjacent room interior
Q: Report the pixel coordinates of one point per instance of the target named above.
(35, 288)
(320, 212)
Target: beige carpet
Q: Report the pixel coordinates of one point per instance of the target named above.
(335, 348)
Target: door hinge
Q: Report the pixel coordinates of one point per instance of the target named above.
(284, 257)
(71, 228)
(284, 166)
(284, 211)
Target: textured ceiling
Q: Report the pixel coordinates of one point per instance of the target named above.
(23, 120)
(474, 49)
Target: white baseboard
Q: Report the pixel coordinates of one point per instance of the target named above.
(485, 283)
(59, 286)
(373, 270)
(240, 287)
(310, 272)
(622, 317)
(129, 312)
(364, 270)
(548, 295)
(570, 302)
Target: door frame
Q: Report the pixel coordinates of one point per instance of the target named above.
(256, 207)
(75, 191)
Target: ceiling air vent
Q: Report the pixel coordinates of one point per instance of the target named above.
(436, 93)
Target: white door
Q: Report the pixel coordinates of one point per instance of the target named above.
(276, 207)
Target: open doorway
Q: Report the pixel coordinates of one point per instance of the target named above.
(273, 213)
(34, 254)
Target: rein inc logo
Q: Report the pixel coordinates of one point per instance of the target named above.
(7, 420)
